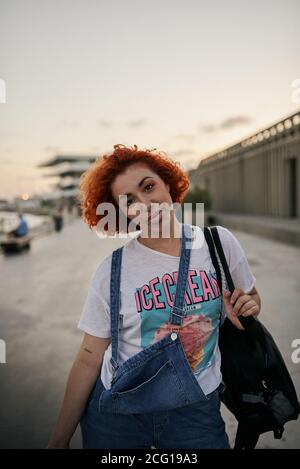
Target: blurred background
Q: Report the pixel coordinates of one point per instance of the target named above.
(215, 85)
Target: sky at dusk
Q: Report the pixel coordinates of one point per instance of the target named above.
(187, 77)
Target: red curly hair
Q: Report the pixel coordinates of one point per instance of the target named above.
(95, 183)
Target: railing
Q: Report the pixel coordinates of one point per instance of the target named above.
(283, 127)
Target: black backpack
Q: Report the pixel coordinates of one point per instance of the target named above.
(258, 388)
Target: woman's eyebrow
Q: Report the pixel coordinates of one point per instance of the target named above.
(140, 183)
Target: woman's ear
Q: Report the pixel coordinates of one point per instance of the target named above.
(168, 187)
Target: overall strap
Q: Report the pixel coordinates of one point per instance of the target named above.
(115, 282)
(177, 313)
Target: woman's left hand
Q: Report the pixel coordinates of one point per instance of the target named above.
(240, 303)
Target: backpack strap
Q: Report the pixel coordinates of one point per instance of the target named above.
(245, 321)
(211, 247)
(222, 257)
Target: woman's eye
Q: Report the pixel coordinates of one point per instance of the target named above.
(147, 188)
(149, 185)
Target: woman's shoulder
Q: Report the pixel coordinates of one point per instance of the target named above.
(103, 269)
(231, 245)
(101, 276)
(226, 236)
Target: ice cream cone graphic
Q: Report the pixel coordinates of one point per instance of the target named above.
(194, 332)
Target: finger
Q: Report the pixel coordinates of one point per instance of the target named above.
(246, 306)
(226, 300)
(251, 311)
(236, 293)
(226, 293)
(236, 322)
(228, 308)
(240, 302)
(226, 297)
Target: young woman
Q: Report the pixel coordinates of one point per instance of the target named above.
(148, 371)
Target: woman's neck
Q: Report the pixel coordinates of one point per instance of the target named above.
(167, 242)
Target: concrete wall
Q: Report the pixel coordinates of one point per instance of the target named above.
(254, 178)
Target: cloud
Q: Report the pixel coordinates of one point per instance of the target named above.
(228, 123)
(70, 124)
(208, 128)
(186, 137)
(133, 124)
(95, 149)
(51, 149)
(136, 123)
(183, 152)
(235, 121)
(7, 161)
(104, 123)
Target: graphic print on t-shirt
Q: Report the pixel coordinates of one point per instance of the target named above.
(202, 304)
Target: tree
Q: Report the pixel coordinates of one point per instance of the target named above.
(198, 195)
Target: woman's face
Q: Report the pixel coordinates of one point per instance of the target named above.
(143, 188)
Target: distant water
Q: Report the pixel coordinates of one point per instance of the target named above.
(9, 221)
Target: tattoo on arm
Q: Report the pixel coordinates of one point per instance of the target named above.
(87, 350)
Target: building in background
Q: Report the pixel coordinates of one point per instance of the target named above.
(257, 176)
(66, 172)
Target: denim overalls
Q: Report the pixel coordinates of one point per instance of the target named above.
(154, 388)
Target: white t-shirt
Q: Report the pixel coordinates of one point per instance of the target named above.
(148, 284)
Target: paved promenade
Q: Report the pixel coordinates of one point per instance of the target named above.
(42, 293)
